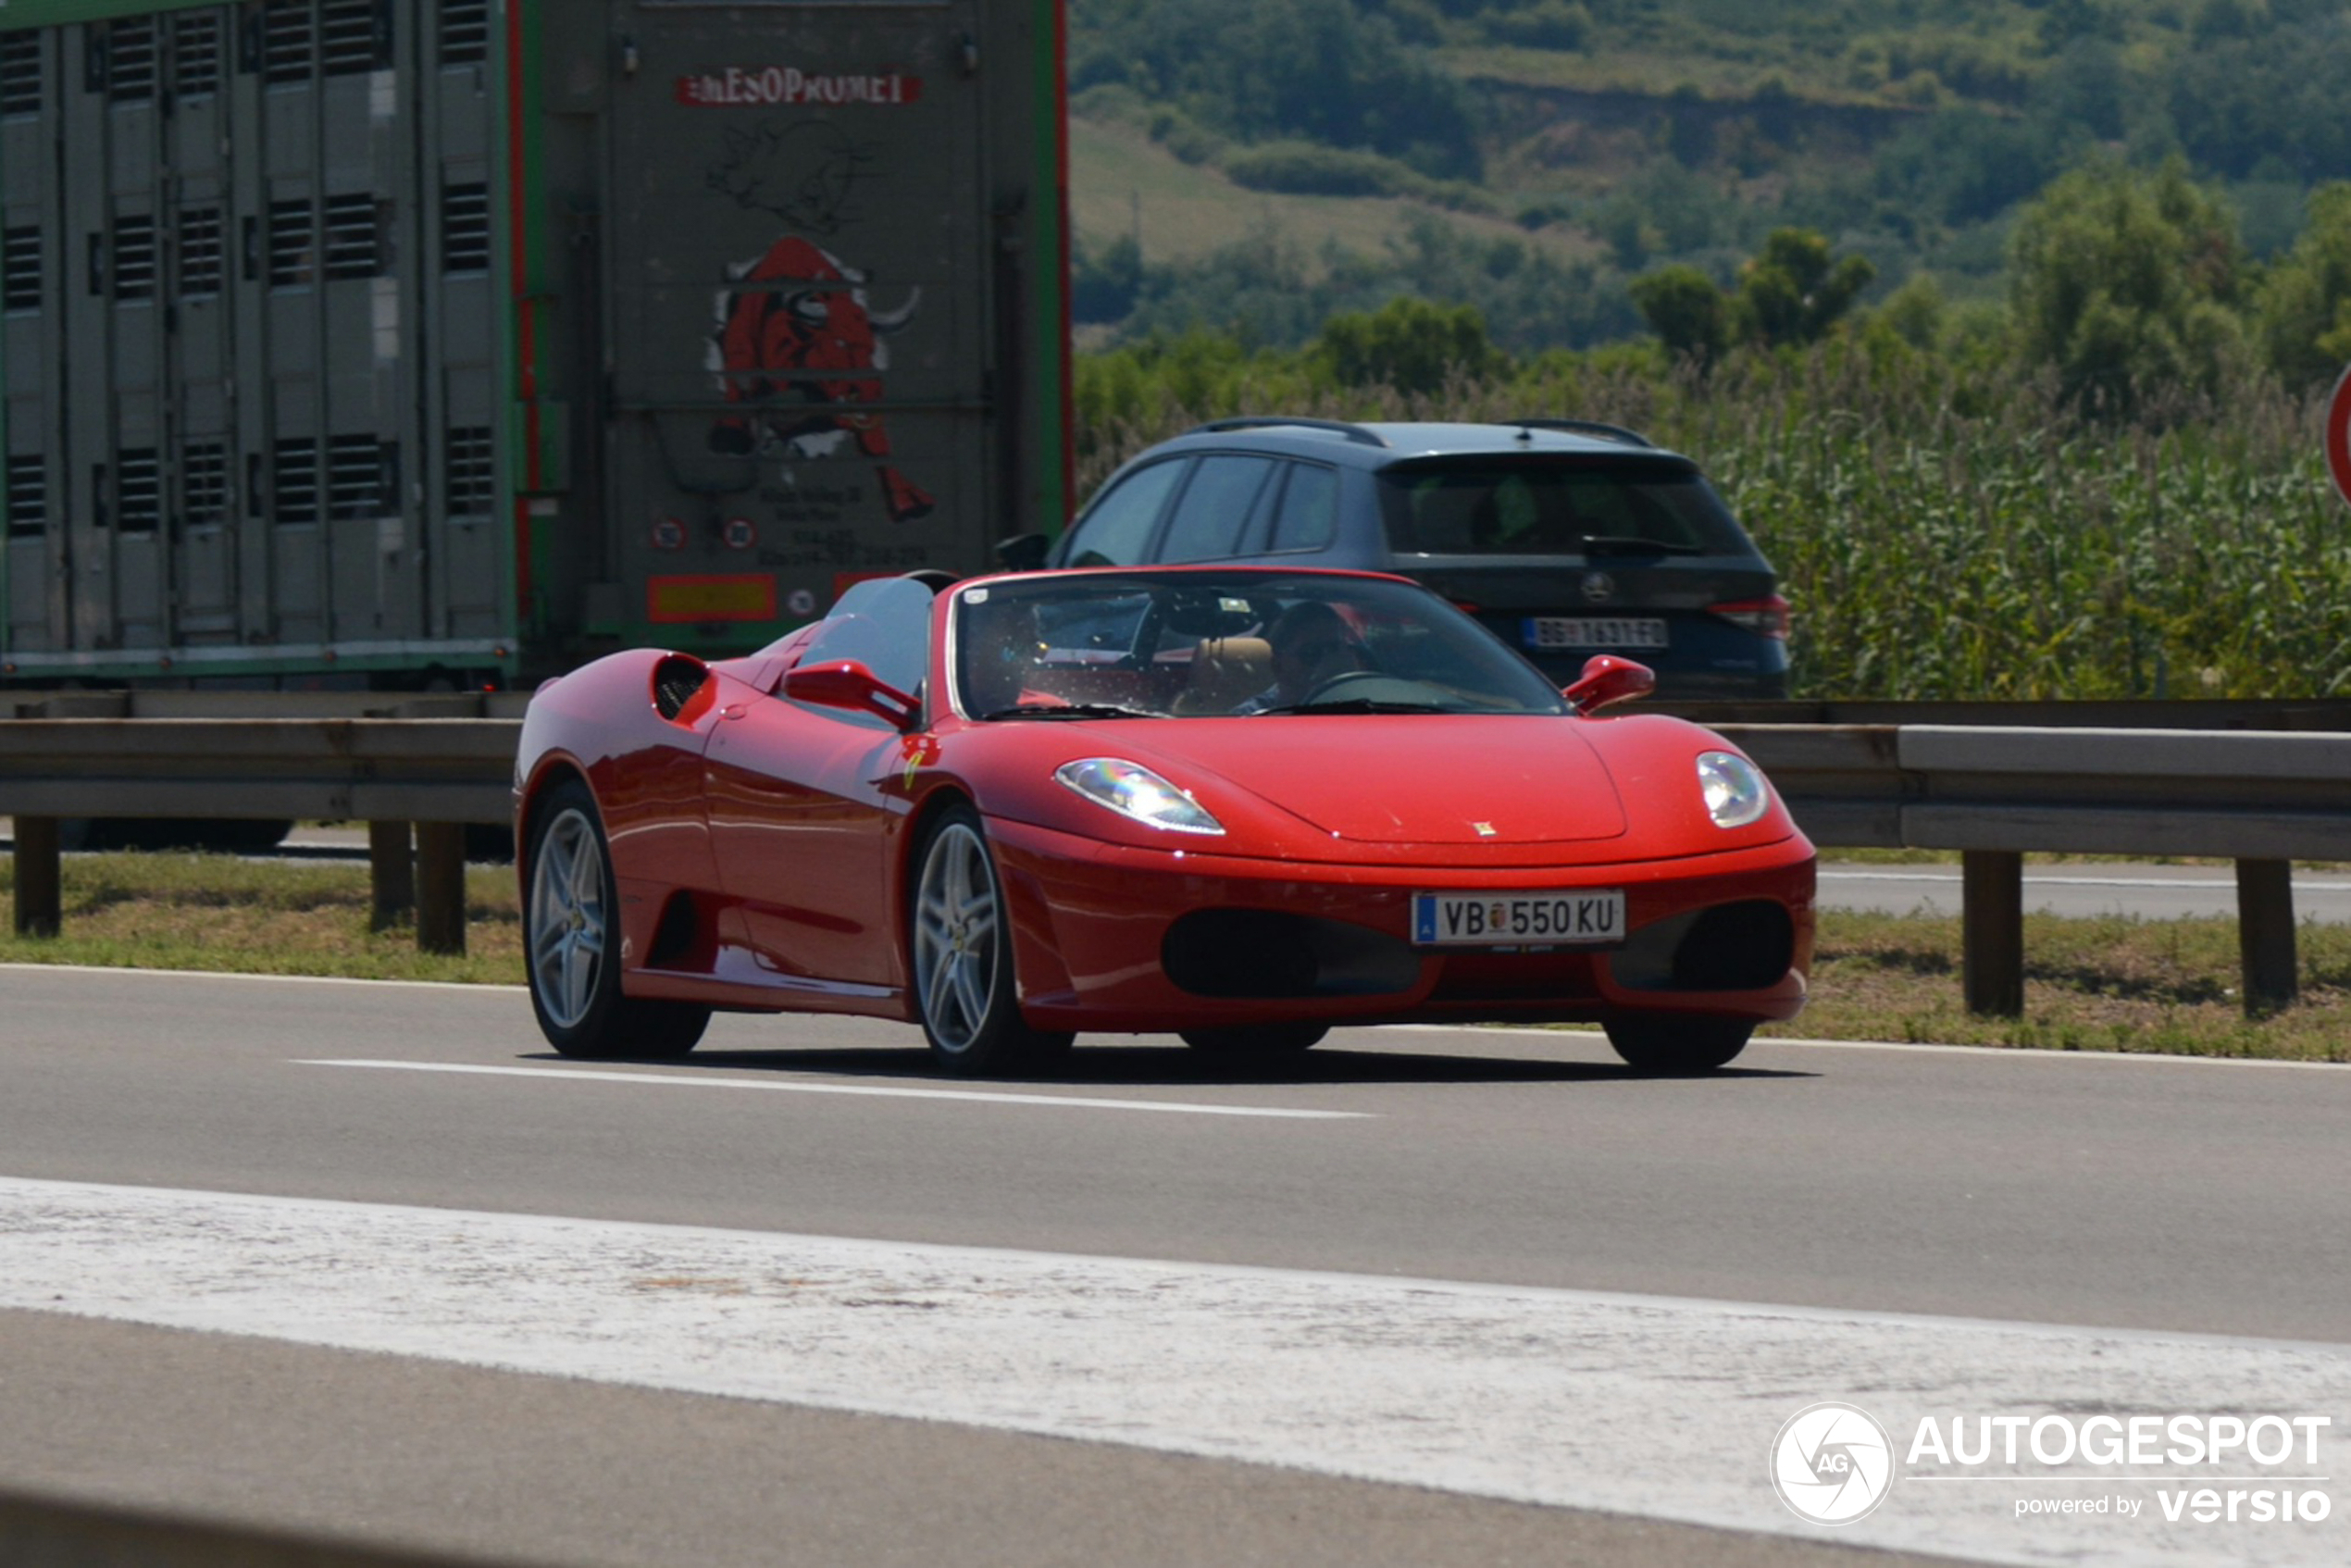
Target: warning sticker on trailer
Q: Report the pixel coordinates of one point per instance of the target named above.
(740, 597)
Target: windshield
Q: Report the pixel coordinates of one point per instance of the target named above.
(1551, 506)
(1211, 644)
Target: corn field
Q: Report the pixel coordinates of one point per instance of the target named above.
(1940, 533)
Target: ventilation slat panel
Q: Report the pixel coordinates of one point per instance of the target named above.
(28, 493)
(21, 261)
(471, 486)
(294, 481)
(465, 227)
(204, 484)
(134, 257)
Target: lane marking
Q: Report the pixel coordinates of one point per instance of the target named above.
(1653, 1406)
(2021, 1053)
(875, 1090)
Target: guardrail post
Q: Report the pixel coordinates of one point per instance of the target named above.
(2265, 934)
(391, 873)
(440, 887)
(1992, 926)
(40, 878)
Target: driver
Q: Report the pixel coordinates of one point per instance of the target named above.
(1313, 646)
(1001, 652)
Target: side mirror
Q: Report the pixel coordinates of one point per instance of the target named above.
(847, 683)
(1607, 679)
(1023, 553)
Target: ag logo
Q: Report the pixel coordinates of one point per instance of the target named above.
(1832, 1463)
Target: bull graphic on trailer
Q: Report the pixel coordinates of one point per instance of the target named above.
(797, 342)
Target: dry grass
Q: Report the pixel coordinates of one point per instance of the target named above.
(256, 917)
(1187, 210)
(2114, 983)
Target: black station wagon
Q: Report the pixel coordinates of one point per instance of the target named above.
(1566, 537)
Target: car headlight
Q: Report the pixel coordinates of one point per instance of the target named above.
(1735, 793)
(1132, 790)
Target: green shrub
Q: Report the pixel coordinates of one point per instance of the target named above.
(1307, 169)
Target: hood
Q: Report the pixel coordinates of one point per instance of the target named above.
(1420, 778)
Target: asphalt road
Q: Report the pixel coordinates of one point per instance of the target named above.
(2143, 1199)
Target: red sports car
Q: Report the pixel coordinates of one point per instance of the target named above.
(1240, 804)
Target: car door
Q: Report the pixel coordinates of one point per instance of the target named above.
(799, 820)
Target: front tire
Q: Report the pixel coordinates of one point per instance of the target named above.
(960, 945)
(569, 921)
(1678, 1047)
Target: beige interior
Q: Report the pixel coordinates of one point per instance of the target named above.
(1226, 671)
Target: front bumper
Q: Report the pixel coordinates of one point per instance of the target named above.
(1101, 941)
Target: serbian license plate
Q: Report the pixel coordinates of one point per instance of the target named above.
(1587, 916)
(1595, 631)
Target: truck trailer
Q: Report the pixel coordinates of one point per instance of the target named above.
(443, 345)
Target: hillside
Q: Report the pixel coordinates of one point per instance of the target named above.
(1280, 158)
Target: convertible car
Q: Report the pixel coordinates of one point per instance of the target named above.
(1238, 804)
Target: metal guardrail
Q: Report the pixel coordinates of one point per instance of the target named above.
(1991, 792)
(2262, 799)
(438, 774)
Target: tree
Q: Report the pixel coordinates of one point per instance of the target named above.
(1791, 293)
(1104, 284)
(2127, 283)
(2303, 312)
(1409, 344)
(1684, 308)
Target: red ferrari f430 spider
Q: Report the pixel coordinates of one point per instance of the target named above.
(1238, 804)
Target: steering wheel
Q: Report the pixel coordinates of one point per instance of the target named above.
(1344, 678)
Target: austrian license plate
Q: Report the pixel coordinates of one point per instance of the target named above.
(1595, 631)
(1587, 915)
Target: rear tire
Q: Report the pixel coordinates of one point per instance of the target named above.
(1678, 1047)
(573, 959)
(958, 945)
(1257, 1040)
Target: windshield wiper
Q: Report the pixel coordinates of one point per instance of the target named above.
(1070, 710)
(1626, 544)
(1360, 706)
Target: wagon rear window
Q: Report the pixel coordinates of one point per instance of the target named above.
(1491, 507)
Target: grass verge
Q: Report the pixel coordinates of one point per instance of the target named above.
(2105, 984)
(257, 917)
(2111, 983)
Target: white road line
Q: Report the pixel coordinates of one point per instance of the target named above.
(2017, 1052)
(876, 1090)
(1651, 1406)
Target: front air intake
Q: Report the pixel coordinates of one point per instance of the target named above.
(1265, 952)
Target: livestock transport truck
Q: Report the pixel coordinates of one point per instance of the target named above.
(430, 345)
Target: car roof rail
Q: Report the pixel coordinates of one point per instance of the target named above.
(1361, 434)
(1586, 428)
